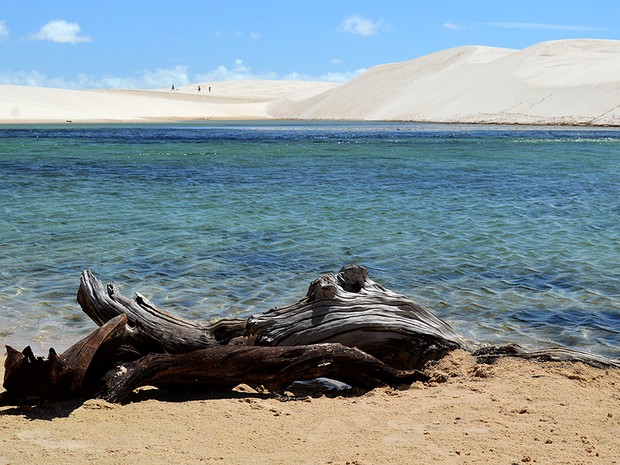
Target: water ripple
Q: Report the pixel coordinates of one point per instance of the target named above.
(510, 234)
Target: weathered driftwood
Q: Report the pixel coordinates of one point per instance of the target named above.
(78, 371)
(111, 362)
(175, 335)
(351, 309)
(271, 367)
(491, 354)
(347, 308)
(347, 327)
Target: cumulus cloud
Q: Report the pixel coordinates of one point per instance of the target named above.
(163, 77)
(4, 31)
(59, 30)
(237, 71)
(355, 24)
(453, 26)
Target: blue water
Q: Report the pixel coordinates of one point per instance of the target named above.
(511, 234)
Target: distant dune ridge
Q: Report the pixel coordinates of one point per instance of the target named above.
(566, 82)
(560, 82)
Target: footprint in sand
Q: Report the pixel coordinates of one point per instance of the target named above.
(48, 441)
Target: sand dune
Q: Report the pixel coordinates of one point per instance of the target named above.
(227, 100)
(560, 82)
(568, 82)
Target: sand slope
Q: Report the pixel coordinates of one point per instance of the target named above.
(558, 82)
(227, 100)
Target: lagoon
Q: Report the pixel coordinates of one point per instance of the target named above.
(510, 234)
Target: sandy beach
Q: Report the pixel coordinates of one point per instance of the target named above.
(564, 82)
(512, 412)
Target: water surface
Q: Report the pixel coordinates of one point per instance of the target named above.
(509, 234)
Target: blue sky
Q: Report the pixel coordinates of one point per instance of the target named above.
(139, 44)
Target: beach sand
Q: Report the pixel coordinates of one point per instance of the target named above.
(513, 412)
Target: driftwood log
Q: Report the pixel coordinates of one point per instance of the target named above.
(77, 371)
(270, 367)
(351, 309)
(107, 364)
(171, 333)
(347, 327)
(347, 308)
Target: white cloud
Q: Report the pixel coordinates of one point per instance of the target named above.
(162, 78)
(336, 61)
(4, 31)
(59, 30)
(355, 24)
(35, 78)
(544, 26)
(236, 34)
(339, 77)
(453, 26)
(238, 71)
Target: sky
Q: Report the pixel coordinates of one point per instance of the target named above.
(82, 44)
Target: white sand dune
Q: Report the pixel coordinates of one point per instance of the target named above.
(571, 82)
(567, 82)
(227, 100)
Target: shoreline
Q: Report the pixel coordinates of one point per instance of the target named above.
(250, 118)
(514, 411)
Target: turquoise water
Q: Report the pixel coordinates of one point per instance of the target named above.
(509, 234)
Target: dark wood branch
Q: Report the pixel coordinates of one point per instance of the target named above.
(32, 379)
(108, 363)
(351, 309)
(272, 367)
(554, 354)
(175, 335)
